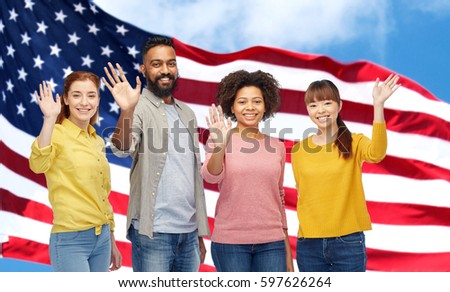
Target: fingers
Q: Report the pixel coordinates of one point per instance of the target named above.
(229, 122)
(122, 75)
(138, 83)
(112, 80)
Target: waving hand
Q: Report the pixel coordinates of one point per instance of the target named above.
(126, 96)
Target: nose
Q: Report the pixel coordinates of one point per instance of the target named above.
(84, 100)
(164, 69)
(320, 109)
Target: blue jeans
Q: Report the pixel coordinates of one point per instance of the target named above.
(165, 252)
(264, 257)
(335, 254)
(81, 251)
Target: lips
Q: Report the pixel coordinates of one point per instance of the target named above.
(323, 118)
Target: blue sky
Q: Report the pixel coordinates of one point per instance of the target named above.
(410, 37)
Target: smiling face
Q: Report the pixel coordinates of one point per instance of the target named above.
(323, 103)
(83, 100)
(160, 70)
(324, 113)
(248, 107)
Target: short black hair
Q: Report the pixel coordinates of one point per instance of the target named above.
(154, 41)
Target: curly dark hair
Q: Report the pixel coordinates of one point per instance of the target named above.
(233, 82)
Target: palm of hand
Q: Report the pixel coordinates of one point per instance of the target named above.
(49, 107)
(219, 132)
(124, 95)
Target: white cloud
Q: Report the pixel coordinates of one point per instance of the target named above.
(225, 26)
(436, 7)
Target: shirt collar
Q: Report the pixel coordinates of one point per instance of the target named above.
(157, 101)
(75, 131)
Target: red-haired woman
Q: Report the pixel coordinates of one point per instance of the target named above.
(71, 155)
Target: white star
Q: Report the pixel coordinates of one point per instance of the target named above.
(21, 110)
(114, 107)
(38, 62)
(4, 96)
(108, 140)
(107, 51)
(52, 84)
(67, 71)
(121, 29)
(60, 16)
(10, 51)
(55, 50)
(42, 27)
(87, 61)
(73, 38)
(25, 39)
(1, 62)
(9, 86)
(13, 15)
(2, 26)
(93, 29)
(33, 98)
(99, 121)
(79, 8)
(132, 51)
(29, 4)
(22, 74)
(93, 8)
(137, 66)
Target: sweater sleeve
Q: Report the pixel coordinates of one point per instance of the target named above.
(374, 150)
(207, 176)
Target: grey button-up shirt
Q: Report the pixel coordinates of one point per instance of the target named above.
(149, 152)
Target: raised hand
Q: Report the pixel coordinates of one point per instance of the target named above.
(218, 127)
(381, 92)
(49, 107)
(125, 96)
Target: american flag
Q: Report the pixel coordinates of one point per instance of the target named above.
(408, 194)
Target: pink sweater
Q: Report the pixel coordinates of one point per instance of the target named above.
(250, 208)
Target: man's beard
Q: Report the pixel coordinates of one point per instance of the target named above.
(159, 91)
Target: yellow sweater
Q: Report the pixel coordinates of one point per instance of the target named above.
(331, 199)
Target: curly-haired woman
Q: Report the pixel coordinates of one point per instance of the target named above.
(250, 229)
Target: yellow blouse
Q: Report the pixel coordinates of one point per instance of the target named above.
(78, 178)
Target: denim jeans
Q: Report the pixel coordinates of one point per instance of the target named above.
(81, 251)
(165, 252)
(264, 257)
(335, 254)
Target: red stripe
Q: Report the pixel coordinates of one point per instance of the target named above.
(203, 93)
(24, 249)
(353, 72)
(24, 207)
(390, 165)
(19, 165)
(408, 214)
(390, 261)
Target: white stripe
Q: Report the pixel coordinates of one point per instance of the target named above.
(23, 227)
(297, 127)
(387, 188)
(423, 239)
(23, 187)
(423, 148)
(299, 79)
